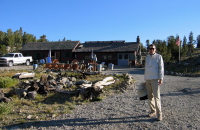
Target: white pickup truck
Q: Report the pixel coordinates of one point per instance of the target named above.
(11, 59)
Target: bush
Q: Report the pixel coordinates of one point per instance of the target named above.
(6, 82)
(5, 109)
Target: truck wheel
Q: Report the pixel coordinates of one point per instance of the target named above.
(27, 62)
(10, 63)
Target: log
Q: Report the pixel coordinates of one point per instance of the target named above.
(100, 84)
(86, 85)
(108, 79)
(24, 75)
(27, 75)
(103, 83)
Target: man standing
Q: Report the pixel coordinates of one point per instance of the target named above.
(154, 74)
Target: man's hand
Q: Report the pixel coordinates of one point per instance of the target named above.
(160, 81)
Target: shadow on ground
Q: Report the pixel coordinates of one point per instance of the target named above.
(82, 122)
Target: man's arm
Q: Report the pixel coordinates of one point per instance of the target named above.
(161, 70)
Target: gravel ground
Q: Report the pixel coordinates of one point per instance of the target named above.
(180, 106)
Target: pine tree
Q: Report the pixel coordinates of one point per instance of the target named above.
(184, 50)
(18, 40)
(42, 39)
(2, 38)
(198, 41)
(173, 48)
(10, 40)
(191, 43)
(147, 43)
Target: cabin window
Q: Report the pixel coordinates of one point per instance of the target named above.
(112, 57)
(120, 56)
(68, 54)
(88, 57)
(125, 56)
(104, 57)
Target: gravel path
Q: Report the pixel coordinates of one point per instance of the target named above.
(180, 98)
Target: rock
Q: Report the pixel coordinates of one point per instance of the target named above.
(1, 94)
(73, 79)
(34, 86)
(69, 84)
(187, 90)
(82, 82)
(64, 80)
(19, 92)
(6, 100)
(53, 116)
(29, 116)
(32, 95)
(43, 79)
(59, 87)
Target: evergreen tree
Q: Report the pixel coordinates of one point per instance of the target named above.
(154, 42)
(198, 41)
(173, 49)
(191, 43)
(147, 43)
(2, 38)
(184, 50)
(162, 49)
(3, 49)
(10, 40)
(143, 49)
(18, 40)
(21, 31)
(25, 38)
(28, 38)
(64, 39)
(42, 39)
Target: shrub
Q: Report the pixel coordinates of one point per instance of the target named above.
(6, 82)
(5, 109)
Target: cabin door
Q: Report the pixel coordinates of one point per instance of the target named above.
(123, 59)
(56, 55)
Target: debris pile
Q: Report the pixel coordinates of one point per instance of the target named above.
(28, 89)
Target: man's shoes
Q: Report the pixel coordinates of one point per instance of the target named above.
(152, 114)
(160, 117)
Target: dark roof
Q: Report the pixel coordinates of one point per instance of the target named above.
(69, 45)
(108, 46)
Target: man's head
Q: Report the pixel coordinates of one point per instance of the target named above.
(152, 49)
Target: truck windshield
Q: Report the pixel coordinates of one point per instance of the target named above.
(8, 55)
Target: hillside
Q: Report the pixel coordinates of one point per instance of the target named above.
(190, 64)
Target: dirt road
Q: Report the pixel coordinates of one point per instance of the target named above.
(17, 67)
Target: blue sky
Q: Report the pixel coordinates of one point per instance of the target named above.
(102, 20)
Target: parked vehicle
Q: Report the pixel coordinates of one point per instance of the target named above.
(11, 59)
